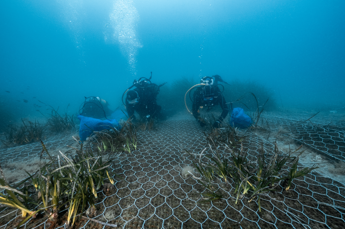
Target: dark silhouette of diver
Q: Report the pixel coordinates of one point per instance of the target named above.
(95, 107)
(143, 100)
(207, 95)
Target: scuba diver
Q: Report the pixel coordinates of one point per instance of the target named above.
(95, 107)
(207, 95)
(142, 99)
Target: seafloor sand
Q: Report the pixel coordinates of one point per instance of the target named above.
(153, 190)
(16, 160)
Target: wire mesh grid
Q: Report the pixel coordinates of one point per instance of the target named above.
(152, 190)
(327, 139)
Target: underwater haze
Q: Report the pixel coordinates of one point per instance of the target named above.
(59, 51)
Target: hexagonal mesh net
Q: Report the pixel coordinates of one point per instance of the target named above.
(327, 139)
(153, 191)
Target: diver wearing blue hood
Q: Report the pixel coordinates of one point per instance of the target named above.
(143, 99)
(207, 95)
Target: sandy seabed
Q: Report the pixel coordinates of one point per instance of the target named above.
(153, 188)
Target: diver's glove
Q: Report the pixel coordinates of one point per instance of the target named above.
(216, 124)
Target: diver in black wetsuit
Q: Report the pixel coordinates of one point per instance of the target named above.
(95, 107)
(208, 95)
(142, 99)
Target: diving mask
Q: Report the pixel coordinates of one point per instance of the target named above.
(207, 80)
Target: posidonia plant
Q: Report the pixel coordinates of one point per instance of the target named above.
(61, 183)
(252, 179)
(114, 140)
(26, 132)
(59, 123)
(14, 198)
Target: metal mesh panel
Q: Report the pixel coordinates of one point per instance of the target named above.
(327, 139)
(152, 192)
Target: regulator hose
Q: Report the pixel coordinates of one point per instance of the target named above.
(185, 102)
(124, 95)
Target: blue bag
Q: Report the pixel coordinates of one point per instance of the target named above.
(88, 125)
(240, 119)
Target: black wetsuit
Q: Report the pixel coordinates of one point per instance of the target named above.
(95, 108)
(207, 97)
(147, 106)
